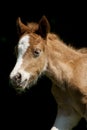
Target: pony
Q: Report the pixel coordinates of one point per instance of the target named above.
(42, 52)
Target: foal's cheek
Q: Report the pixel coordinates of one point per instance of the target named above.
(34, 65)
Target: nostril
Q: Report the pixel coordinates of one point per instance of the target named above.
(15, 80)
(18, 76)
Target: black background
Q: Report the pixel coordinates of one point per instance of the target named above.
(35, 109)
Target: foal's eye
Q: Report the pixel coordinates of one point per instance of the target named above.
(37, 52)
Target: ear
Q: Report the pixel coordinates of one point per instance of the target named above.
(44, 27)
(21, 28)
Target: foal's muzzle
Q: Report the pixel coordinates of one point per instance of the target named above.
(16, 80)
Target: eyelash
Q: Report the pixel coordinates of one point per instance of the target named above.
(37, 52)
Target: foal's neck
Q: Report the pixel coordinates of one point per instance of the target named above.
(61, 59)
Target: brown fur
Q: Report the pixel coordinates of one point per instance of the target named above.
(65, 66)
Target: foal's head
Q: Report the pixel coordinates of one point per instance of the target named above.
(31, 56)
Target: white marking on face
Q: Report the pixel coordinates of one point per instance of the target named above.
(23, 45)
(22, 48)
(25, 76)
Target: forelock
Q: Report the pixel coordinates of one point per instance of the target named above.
(33, 26)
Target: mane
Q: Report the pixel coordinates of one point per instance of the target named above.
(61, 47)
(33, 26)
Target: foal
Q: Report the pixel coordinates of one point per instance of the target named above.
(41, 52)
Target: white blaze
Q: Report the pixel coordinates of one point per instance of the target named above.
(22, 48)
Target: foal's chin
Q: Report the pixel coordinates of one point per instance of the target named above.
(24, 86)
(20, 88)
